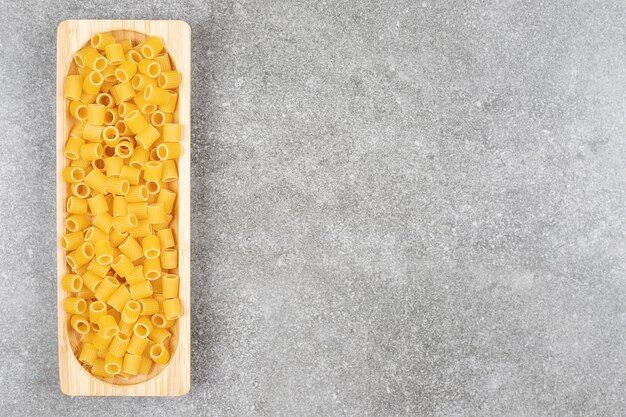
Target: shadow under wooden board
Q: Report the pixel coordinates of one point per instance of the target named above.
(174, 378)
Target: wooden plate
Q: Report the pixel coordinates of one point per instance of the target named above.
(175, 377)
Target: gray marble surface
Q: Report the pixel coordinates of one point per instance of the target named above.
(399, 208)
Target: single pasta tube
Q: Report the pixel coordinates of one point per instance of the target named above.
(159, 354)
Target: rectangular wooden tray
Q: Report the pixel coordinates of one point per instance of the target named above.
(175, 378)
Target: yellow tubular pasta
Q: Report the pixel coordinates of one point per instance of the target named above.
(93, 133)
(122, 92)
(77, 130)
(115, 314)
(77, 222)
(98, 164)
(166, 238)
(106, 85)
(116, 238)
(131, 311)
(125, 72)
(140, 210)
(155, 95)
(141, 290)
(170, 171)
(156, 213)
(169, 258)
(80, 55)
(151, 47)
(118, 186)
(171, 132)
(84, 253)
(73, 174)
(131, 174)
(136, 275)
(119, 298)
(152, 268)
(126, 328)
(95, 114)
(97, 309)
(149, 306)
(89, 98)
(133, 55)
(78, 110)
(143, 105)
(149, 68)
(72, 283)
(111, 136)
(119, 344)
(91, 151)
(93, 234)
(161, 322)
(91, 280)
(80, 324)
(141, 81)
(163, 59)
(81, 190)
(107, 324)
(146, 366)
(172, 308)
(131, 249)
(168, 198)
(135, 121)
(74, 305)
(158, 118)
(106, 288)
(88, 354)
(95, 61)
(142, 327)
(72, 148)
(153, 171)
(120, 206)
(153, 187)
(98, 269)
(137, 194)
(170, 150)
(143, 229)
(124, 149)
(121, 127)
(100, 40)
(101, 341)
(111, 117)
(127, 45)
(147, 136)
(151, 247)
(131, 364)
(96, 180)
(114, 53)
(112, 363)
(72, 240)
(122, 265)
(137, 344)
(170, 107)
(157, 286)
(92, 82)
(113, 166)
(98, 204)
(159, 354)
(98, 369)
(104, 252)
(169, 79)
(124, 223)
(125, 108)
(171, 283)
(160, 335)
(79, 163)
(106, 100)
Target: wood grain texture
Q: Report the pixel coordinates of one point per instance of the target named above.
(175, 377)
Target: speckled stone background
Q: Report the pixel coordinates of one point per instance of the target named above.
(400, 208)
